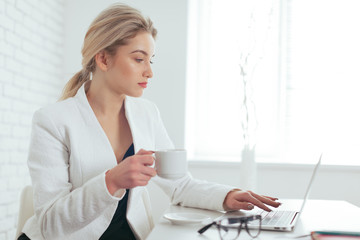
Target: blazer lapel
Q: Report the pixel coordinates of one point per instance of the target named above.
(138, 212)
(101, 156)
(140, 130)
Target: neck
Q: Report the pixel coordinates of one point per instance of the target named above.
(103, 101)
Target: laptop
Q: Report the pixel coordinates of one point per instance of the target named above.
(279, 220)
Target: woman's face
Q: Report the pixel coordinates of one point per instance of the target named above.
(130, 68)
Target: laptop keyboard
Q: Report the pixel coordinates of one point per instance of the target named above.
(276, 218)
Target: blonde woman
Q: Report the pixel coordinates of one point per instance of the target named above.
(90, 157)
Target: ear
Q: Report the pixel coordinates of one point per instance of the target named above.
(102, 60)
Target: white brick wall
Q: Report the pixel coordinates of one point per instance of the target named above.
(31, 70)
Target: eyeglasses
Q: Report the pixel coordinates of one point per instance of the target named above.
(229, 228)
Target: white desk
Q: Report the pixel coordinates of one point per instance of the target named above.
(317, 215)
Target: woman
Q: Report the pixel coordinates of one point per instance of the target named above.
(88, 182)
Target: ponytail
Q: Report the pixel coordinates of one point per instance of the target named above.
(73, 85)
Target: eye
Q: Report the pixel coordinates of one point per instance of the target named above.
(139, 60)
(151, 62)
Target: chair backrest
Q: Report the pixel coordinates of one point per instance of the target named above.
(26, 209)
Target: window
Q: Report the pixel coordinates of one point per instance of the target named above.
(302, 79)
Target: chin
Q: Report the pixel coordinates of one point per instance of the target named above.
(136, 94)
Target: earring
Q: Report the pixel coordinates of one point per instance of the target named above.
(91, 76)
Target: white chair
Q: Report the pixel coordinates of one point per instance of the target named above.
(26, 209)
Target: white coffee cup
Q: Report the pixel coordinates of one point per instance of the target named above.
(171, 163)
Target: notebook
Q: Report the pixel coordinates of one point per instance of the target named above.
(285, 220)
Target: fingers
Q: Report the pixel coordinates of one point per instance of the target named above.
(272, 198)
(145, 157)
(144, 152)
(148, 171)
(266, 200)
(140, 165)
(144, 176)
(257, 203)
(134, 170)
(246, 198)
(140, 177)
(242, 205)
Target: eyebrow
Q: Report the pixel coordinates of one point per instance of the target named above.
(142, 51)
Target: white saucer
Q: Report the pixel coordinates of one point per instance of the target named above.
(185, 218)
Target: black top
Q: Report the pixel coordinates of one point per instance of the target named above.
(119, 227)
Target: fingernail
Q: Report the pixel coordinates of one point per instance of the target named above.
(250, 206)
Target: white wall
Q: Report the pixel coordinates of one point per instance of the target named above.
(31, 43)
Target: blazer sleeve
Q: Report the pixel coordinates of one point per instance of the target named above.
(61, 210)
(188, 191)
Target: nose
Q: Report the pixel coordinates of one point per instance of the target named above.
(148, 73)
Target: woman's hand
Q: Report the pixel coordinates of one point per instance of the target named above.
(246, 200)
(133, 171)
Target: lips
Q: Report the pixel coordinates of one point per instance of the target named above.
(143, 84)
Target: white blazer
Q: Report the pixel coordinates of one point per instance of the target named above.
(68, 157)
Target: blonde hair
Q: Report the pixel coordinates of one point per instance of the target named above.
(109, 30)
